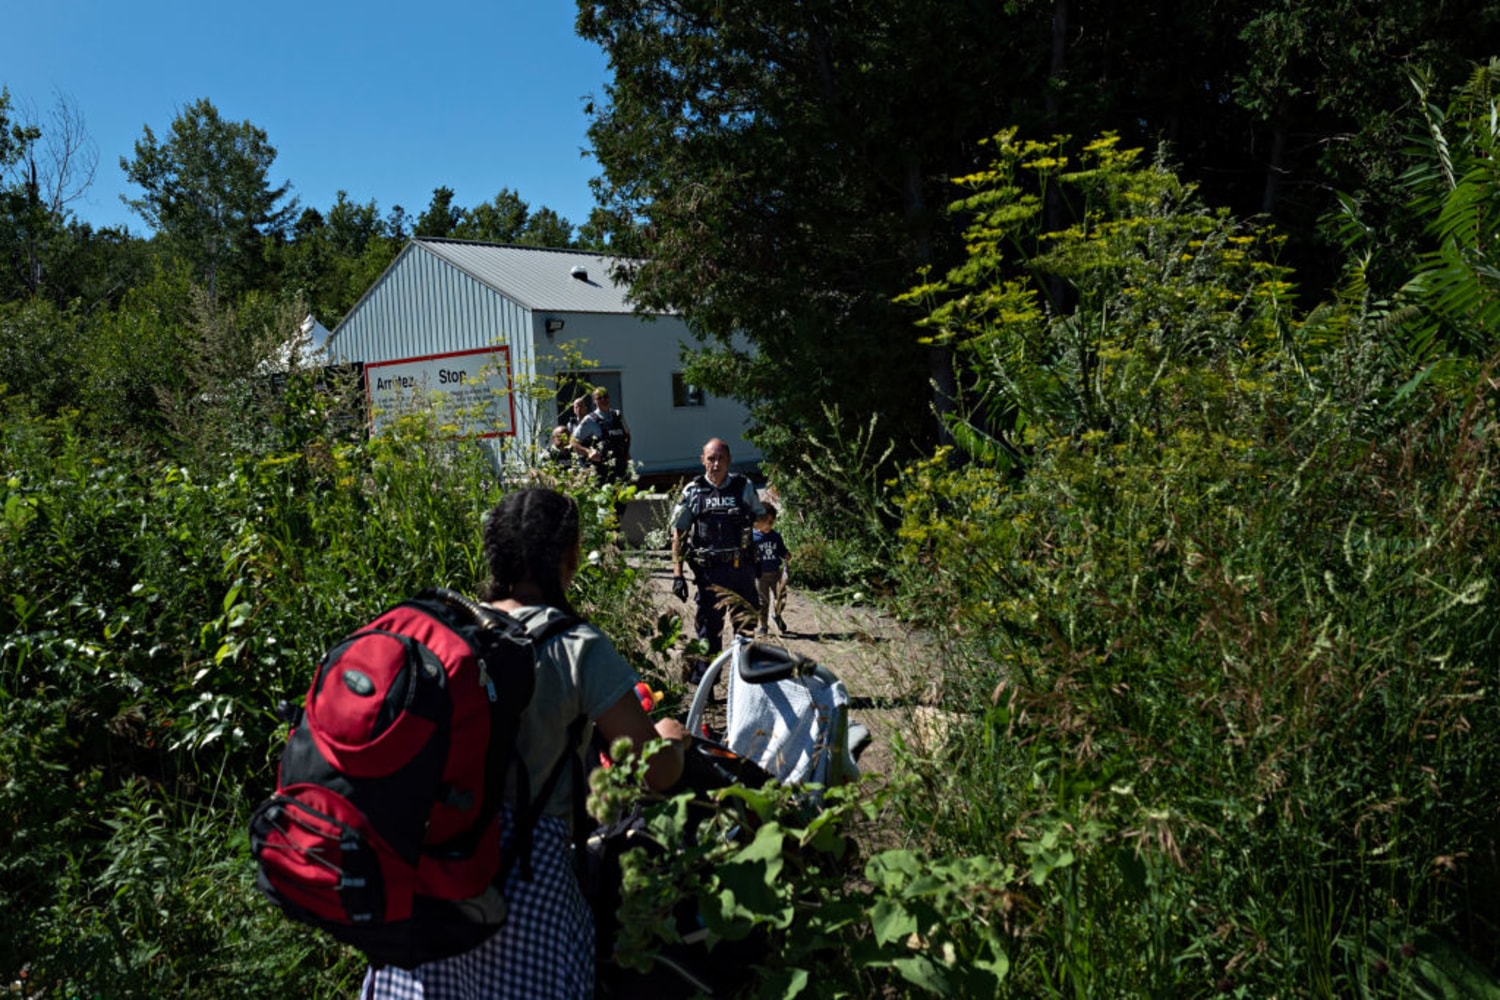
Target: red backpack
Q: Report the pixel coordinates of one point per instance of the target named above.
(385, 828)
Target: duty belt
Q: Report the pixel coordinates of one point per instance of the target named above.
(715, 557)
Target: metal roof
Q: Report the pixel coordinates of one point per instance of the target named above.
(537, 278)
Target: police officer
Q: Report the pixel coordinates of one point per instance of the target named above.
(577, 410)
(603, 438)
(560, 451)
(711, 528)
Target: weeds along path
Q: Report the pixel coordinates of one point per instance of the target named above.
(884, 664)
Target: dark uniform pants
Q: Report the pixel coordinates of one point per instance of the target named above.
(711, 605)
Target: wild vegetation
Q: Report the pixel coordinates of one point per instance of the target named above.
(1224, 644)
(788, 163)
(1206, 544)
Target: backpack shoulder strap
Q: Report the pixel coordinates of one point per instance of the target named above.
(544, 632)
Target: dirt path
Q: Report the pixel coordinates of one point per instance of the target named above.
(881, 662)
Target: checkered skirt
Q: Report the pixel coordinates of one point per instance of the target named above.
(545, 949)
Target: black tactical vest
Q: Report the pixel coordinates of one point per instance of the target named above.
(614, 440)
(721, 519)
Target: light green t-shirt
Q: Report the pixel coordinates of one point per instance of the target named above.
(578, 672)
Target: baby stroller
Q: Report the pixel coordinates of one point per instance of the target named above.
(785, 713)
(786, 717)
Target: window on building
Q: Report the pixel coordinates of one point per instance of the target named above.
(685, 394)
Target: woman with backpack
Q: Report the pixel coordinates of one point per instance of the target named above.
(545, 948)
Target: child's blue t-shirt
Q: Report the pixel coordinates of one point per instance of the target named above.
(770, 550)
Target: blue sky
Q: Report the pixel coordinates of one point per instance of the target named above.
(386, 101)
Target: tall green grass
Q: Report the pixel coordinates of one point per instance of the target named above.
(1229, 737)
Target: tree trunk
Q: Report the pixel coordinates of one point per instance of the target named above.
(1275, 167)
(940, 375)
(1059, 67)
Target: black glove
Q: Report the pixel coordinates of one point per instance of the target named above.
(679, 588)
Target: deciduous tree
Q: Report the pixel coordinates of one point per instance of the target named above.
(546, 228)
(45, 165)
(502, 219)
(207, 194)
(333, 258)
(1455, 183)
(789, 165)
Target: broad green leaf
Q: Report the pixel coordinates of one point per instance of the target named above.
(891, 921)
(892, 869)
(919, 970)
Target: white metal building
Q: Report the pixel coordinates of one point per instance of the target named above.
(453, 309)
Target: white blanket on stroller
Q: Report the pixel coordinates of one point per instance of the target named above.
(796, 729)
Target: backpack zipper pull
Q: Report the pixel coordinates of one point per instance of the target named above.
(484, 679)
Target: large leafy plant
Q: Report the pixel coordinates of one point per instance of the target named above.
(1095, 327)
(1218, 626)
(1454, 181)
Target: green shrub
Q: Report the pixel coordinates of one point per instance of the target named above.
(1220, 657)
(835, 515)
(154, 615)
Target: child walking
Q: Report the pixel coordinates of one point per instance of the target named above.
(771, 558)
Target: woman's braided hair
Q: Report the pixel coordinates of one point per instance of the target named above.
(526, 536)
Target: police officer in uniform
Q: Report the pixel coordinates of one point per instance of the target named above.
(603, 438)
(711, 528)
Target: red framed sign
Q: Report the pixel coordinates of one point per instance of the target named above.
(469, 391)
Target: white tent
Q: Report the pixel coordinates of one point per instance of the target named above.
(304, 349)
(315, 333)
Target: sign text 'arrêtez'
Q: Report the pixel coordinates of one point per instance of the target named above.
(469, 390)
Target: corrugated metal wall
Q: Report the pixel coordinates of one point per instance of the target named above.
(423, 305)
(426, 305)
